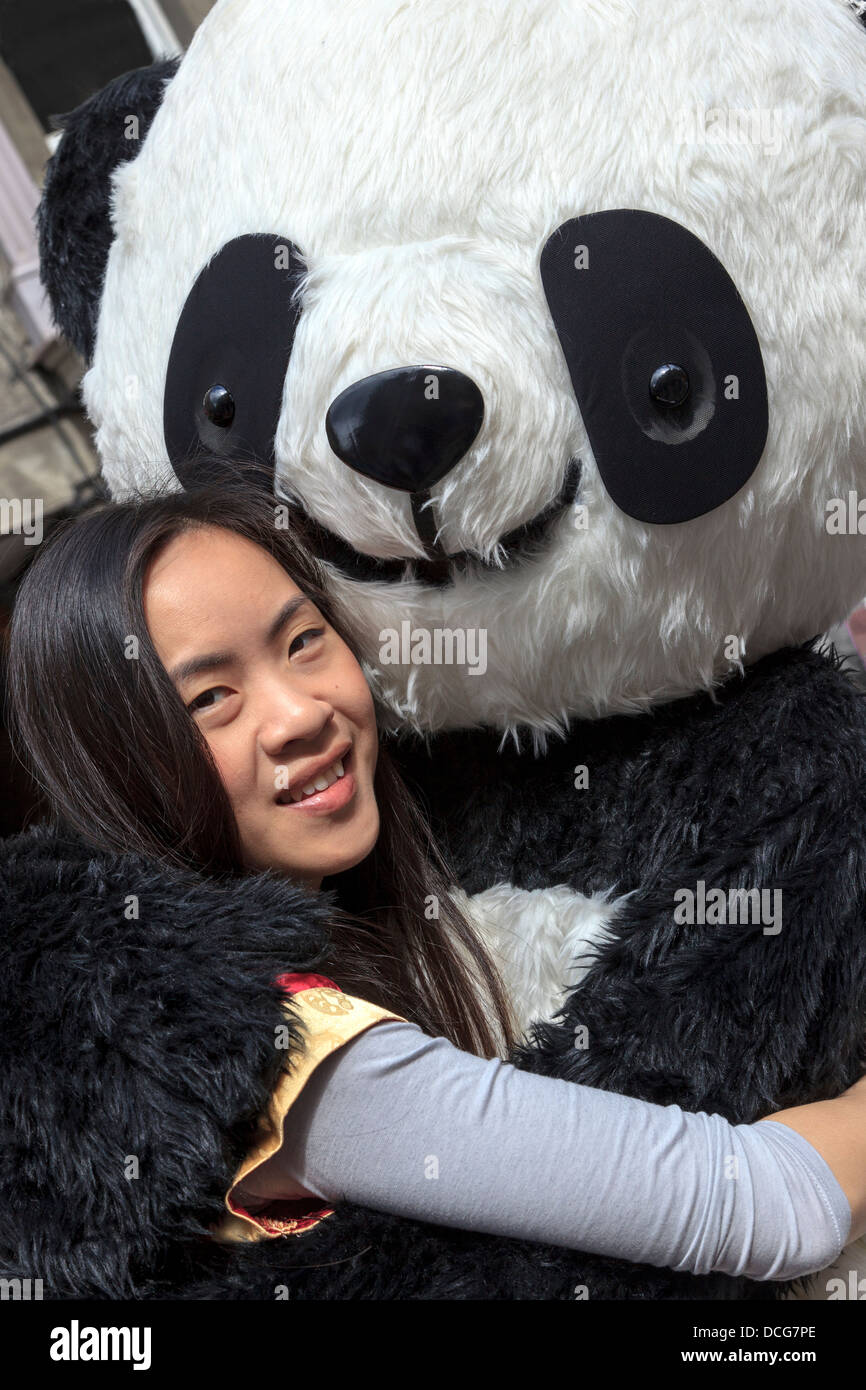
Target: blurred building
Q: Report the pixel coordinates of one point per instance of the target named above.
(54, 54)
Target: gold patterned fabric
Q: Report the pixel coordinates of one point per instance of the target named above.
(330, 1018)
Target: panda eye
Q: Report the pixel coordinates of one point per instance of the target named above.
(229, 358)
(663, 358)
(219, 406)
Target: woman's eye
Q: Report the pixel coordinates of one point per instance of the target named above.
(196, 704)
(206, 700)
(309, 632)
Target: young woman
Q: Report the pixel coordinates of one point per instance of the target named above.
(185, 689)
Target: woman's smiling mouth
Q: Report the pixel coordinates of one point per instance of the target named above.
(322, 800)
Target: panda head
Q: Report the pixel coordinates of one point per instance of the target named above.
(549, 317)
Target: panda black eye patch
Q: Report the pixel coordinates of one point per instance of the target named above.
(229, 358)
(663, 358)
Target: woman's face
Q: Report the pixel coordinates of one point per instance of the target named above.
(279, 697)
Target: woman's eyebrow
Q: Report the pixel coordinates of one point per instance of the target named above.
(196, 665)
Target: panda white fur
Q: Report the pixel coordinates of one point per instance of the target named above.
(366, 193)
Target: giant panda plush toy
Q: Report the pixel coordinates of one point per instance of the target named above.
(550, 318)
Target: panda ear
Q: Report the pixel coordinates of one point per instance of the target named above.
(74, 220)
(859, 8)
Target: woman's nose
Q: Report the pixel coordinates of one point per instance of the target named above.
(289, 714)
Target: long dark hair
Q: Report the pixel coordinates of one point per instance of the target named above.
(122, 763)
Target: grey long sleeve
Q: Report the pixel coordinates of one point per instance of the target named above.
(404, 1123)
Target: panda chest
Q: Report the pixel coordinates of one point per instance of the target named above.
(536, 847)
(530, 822)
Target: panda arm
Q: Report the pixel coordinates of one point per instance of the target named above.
(734, 976)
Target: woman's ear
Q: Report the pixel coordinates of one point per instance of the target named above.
(74, 216)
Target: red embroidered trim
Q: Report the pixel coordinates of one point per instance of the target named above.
(286, 1225)
(293, 981)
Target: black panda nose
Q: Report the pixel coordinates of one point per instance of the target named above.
(406, 427)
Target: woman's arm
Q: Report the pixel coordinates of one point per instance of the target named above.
(837, 1129)
(409, 1124)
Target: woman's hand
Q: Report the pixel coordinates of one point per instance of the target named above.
(837, 1129)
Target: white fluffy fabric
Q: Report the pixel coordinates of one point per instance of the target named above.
(420, 154)
(542, 941)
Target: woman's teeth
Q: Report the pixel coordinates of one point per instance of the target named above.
(324, 780)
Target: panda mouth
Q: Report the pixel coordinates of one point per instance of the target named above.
(441, 570)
